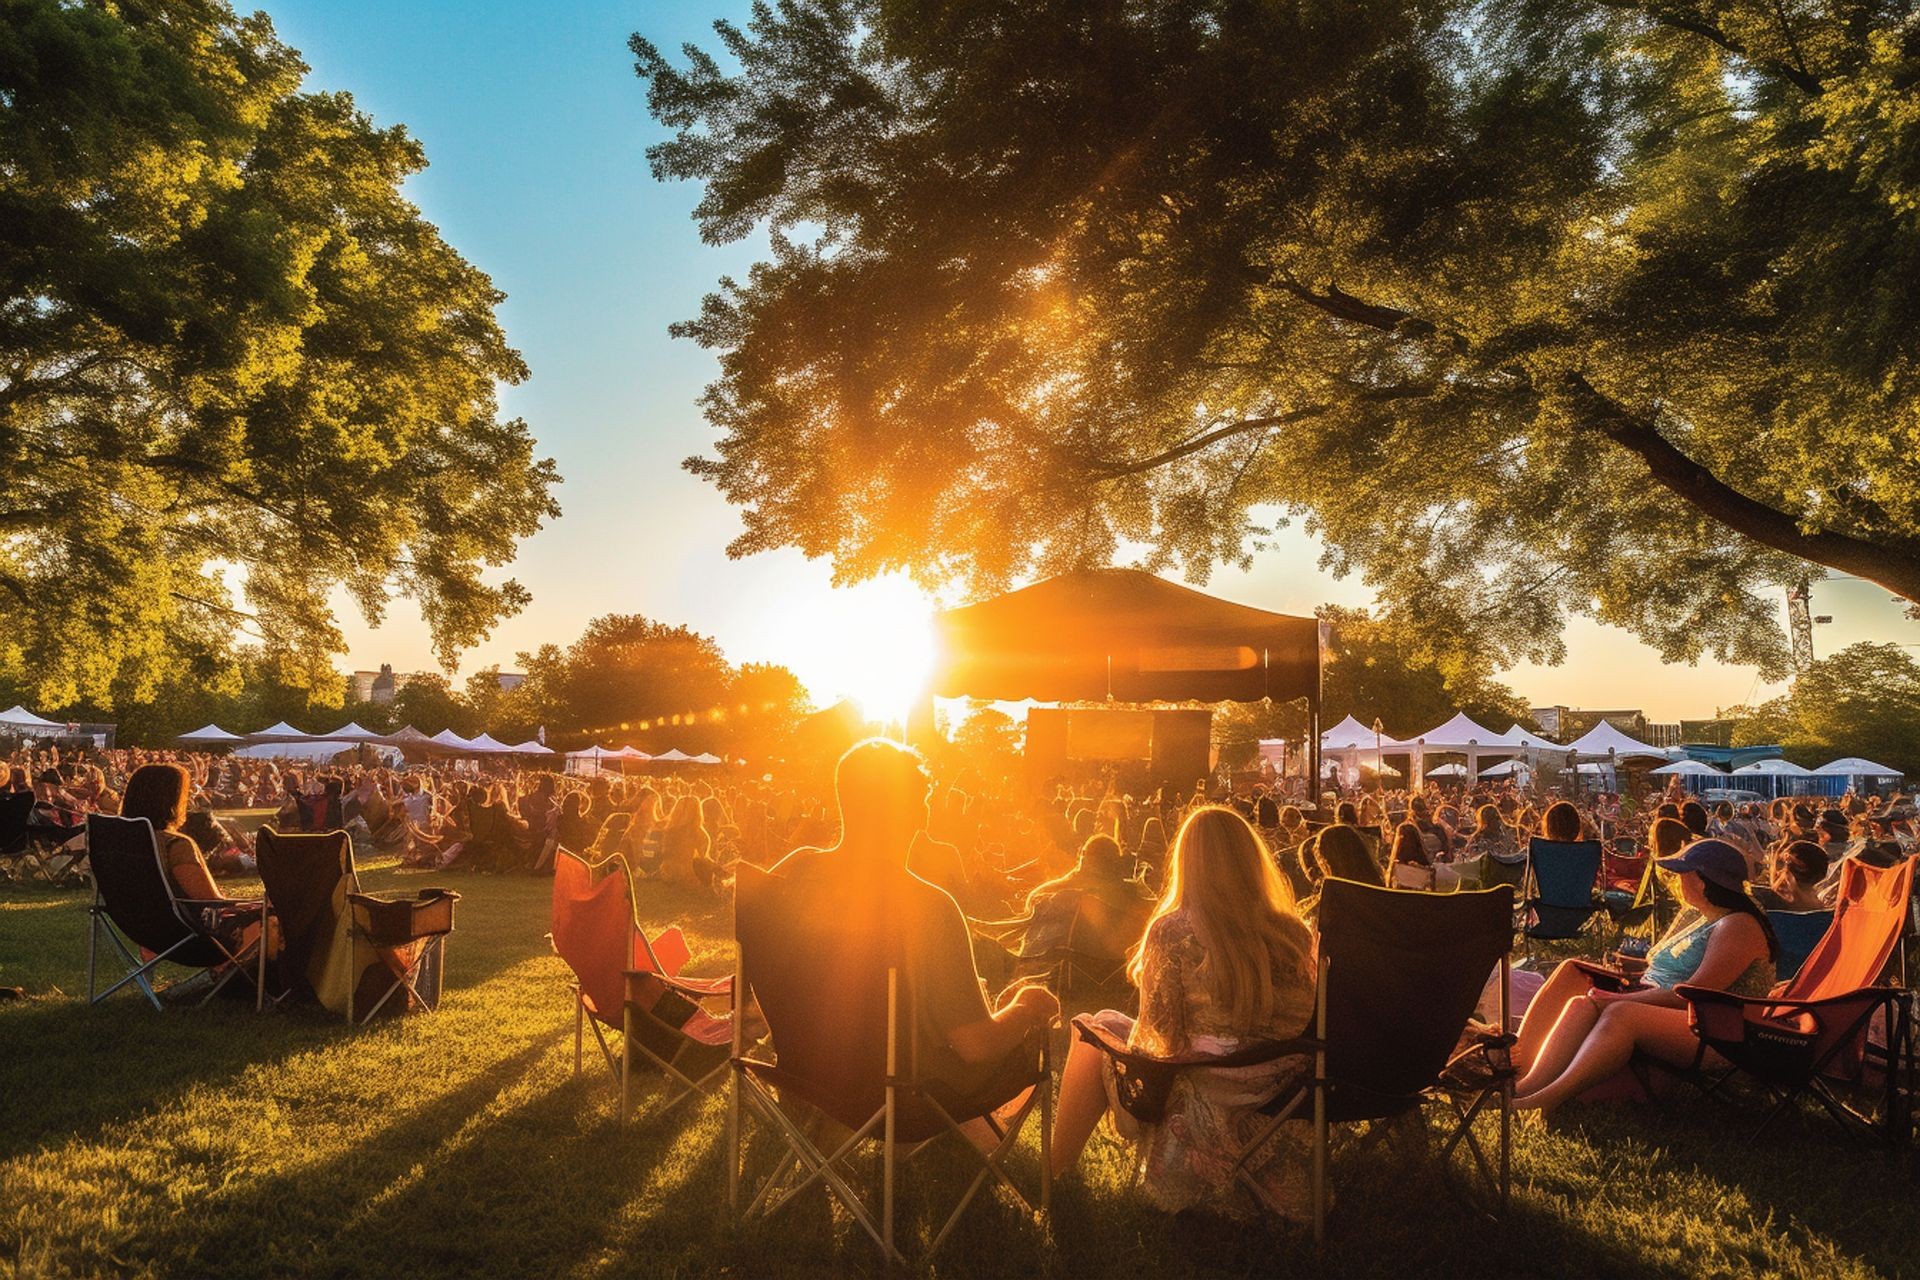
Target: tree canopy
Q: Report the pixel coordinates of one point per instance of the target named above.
(238, 369)
(1526, 307)
(1862, 701)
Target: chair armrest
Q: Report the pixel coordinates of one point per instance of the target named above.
(694, 988)
(1607, 978)
(1250, 1055)
(1780, 1006)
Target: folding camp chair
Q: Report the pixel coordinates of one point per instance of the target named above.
(623, 980)
(1562, 904)
(1400, 974)
(16, 842)
(839, 1011)
(401, 942)
(1798, 932)
(1809, 1038)
(136, 908)
(307, 878)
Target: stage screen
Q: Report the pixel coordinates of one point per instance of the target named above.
(1109, 735)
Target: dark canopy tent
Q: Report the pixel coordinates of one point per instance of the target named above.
(1127, 635)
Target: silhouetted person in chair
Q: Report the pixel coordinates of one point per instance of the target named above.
(963, 1043)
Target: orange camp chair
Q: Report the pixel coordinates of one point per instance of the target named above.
(621, 979)
(1809, 1037)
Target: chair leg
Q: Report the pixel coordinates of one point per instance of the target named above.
(93, 936)
(626, 1061)
(1046, 1137)
(579, 1018)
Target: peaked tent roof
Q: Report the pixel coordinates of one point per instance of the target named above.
(1448, 771)
(591, 752)
(280, 730)
(532, 747)
(1690, 769)
(351, 731)
(1348, 735)
(209, 733)
(672, 756)
(487, 742)
(448, 738)
(20, 717)
(1856, 767)
(632, 753)
(1456, 734)
(409, 734)
(1504, 768)
(1127, 634)
(1782, 768)
(707, 757)
(1604, 739)
(1519, 739)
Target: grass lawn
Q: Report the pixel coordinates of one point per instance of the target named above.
(213, 1142)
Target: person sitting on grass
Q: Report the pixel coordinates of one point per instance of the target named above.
(1579, 1033)
(967, 1049)
(1225, 961)
(1110, 908)
(1410, 865)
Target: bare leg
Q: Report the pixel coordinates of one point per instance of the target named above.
(1622, 1028)
(1566, 983)
(1569, 1033)
(1083, 1101)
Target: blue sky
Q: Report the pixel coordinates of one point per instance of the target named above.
(536, 128)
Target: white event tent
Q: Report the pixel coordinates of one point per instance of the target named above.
(209, 735)
(1855, 767)
(1689, 769)
(1603, 741)
(18, 717)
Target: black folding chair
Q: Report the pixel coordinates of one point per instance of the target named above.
(1400, 974)
(307, 877)
(1562, 874)
(15, 840)
(135, 908)
(838, 1009)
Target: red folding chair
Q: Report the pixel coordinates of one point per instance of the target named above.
(623, 979)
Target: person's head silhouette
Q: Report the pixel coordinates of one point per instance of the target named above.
(883, 790)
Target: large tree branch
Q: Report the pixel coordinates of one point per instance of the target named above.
(1337, 302)
(1695, 24)
(1227, 431)
(1205, 440)
(1893, 562)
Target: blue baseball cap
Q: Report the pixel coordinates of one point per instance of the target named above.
(1714, 860)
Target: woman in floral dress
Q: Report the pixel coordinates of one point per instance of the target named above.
(1225, 962)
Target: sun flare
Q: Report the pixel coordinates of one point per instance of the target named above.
(872, 643)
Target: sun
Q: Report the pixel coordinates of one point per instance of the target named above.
(872, 643)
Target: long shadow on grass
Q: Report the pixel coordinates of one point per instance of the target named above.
(1823, 1187)
(87, 1067)
(302, 1222)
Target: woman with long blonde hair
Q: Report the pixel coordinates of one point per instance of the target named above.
(1225, 961)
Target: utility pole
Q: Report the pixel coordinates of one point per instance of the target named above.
(1800, 624)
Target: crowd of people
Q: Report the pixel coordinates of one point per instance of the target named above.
(1204, 899)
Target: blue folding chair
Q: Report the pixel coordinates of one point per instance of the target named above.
(1562, 874)
(1798, 932)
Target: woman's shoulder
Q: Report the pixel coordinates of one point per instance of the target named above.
(1171, 930)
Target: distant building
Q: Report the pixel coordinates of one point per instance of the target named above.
(1564, 724)
(377, 686)
(380, 686)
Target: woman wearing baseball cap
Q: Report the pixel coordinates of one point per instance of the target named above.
(1581, 1038)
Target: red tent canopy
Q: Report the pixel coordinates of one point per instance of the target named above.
(1127, 634)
